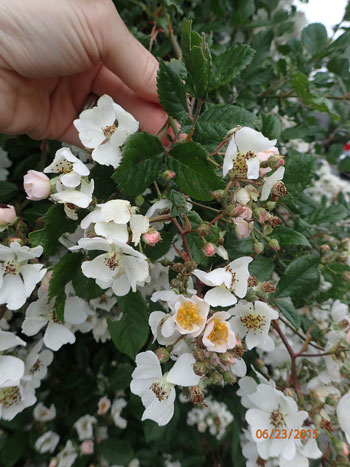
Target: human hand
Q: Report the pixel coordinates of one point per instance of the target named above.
(54, 54)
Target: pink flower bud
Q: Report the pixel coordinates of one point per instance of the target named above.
(53, 462)
(209, 249)
(346, 449)
(151, 237)
(7, 214)
(243, 229)
(37, 185)
(87, 447)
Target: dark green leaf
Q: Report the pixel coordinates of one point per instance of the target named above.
(299, 171)
(179, 203)
(142, 160)
(84, 287)
(131, 332)
(14, 448)
(237, 248)
(344, 163)
(172, 93)
(271, 126)
(153, 431)
(262, 268)
(195, 176)
(314, 38)
(121, 377)
(213, 125)
(104, 185)
(229, 64)
(116, 451)
(300, 84)
(328, 215)
(56, 225)
(300, 278)
(286, 236)
(7, 191)
(289, 312)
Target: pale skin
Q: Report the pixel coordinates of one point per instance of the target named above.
(53, 54)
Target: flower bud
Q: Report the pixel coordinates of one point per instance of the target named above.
(7, 214)
(270, 205)
(168, 175)
(261, 215)
(215, 378)
(229, 377)
(273, 243)
(37, 185)
(275, 162)
(178, 267)
(251, 297)
(219, 195)
(139, 200)
(200, 368)
(267, 230)
(16, 239)
(162, 354)
(209, 249)
(258, 247)
(226, 358)
(204, 229)
(87, 447)
(151, 238)
(175, 283)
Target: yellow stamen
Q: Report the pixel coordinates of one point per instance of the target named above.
(188, 316)
(219, 334)
(253, 321)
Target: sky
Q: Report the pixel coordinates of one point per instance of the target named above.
(328, 12)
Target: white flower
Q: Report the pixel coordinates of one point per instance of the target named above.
(270, 181)
(104, 405)
(190, 314)
(18, 278)
(80, 197)
(104, 129)
(271, 409)
(67, 456)
(44, 414)
(47, 442)
(11, 368)
(252, 321)
(15, 398)
(214, 416)
(242, 152)
(69, 166)
(218, 335)
(120, 267)
(36, 364)
(5, 163)
(343, 414)
(156, 390)
(84, 427)
(116, 410)
(339, 312)
(227, 282)
(139, 225)
(162, 327)
(40, 314)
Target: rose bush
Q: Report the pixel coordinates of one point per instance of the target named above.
(187, 303)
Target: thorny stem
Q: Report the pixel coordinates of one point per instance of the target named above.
(219, 147)
(183, 236)
(194, 121)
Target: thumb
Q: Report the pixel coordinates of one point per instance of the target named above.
(126, 57)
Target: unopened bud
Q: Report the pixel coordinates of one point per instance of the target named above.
(325, 249)
(226, 358)
(279, 189)
(270, 205)
(190, 266)
(229, 377)
(162, 354)
(219, 195)
(178, 267)
(204, 228)
(267, 230)
(209, 249)
(251, 297)
(261, 215)
(16, 239)
(151, 238)
(231, 210)
(200, 368)
(258, 247)
(273, 243)
(168, 175)
(175, 283)
(7, 214)
(275, 162)
(139, 200)
(215, 378)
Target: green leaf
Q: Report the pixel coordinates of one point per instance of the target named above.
(85, 287)
(121, 377)
(271, 126)
(172, 92)
(116, 451)
(57, 224)
(299, 171)
(195, 176)
(197, 59)
(344, 163)
(328, 215)
(131, 332)
(229, 64)
(213, 125)
(63, 272)
(289, 312)
(7, 191)
(262, 268)
(286, 236)
(237, 248)
(104, 184)
(14, 448)
(153, 431)
(314, 37)
(300, 278)
(300, 84)
(179, 203)
(142, 160)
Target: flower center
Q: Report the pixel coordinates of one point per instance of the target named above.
(219, 333)
(188, 316)
(161, 389)
(64, 166)
(240, 165)
(10, 396)
(277, 418)
(11, 267)
(253, 321)
(109, 130)
(112, 261)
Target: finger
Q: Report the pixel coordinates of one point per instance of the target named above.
(126, 57)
